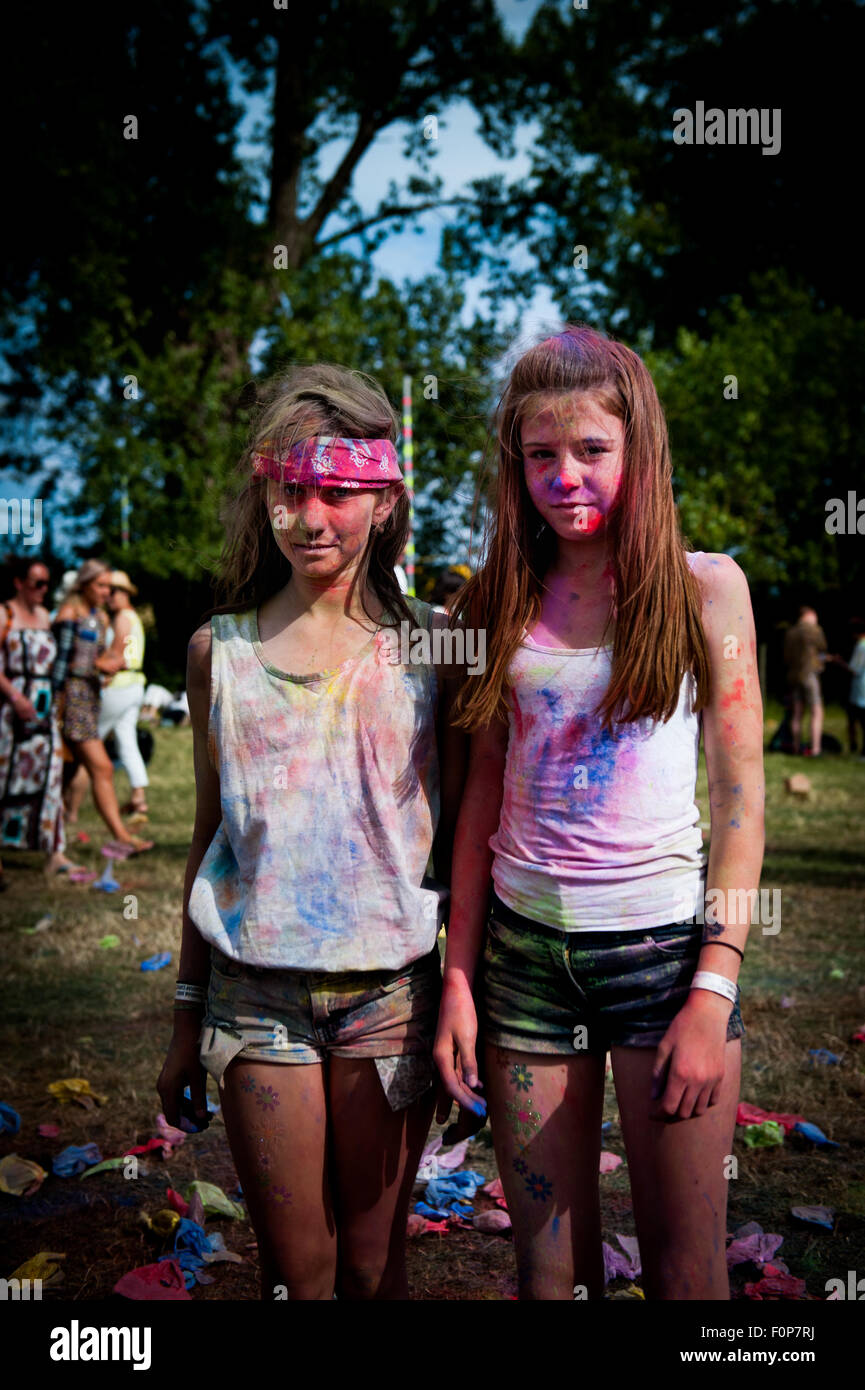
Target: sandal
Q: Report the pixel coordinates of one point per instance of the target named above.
(141, 846)
(61, 869)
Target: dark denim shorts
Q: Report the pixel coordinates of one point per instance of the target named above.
(618, 988)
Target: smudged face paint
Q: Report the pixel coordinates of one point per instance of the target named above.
(323, 532)
(573, 456)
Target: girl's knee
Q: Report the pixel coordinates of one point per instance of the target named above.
(304, 1275)
(364, 1281)
(371, 1268)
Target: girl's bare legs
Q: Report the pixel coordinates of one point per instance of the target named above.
(678, 1182)
(277, 1124)
(92, 753)
(546, 1119)
(375, 1157)
(305, 1171)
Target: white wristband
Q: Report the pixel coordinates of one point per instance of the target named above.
(715, 984)
(196, 993)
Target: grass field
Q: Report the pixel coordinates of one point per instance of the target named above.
(75, 1009)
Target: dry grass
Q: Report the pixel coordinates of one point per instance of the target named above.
(74, 1009)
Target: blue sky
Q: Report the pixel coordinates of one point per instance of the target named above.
(460, 155)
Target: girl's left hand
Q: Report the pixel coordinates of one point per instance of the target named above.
(689, 1064)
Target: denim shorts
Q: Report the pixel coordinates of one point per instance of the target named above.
(623, 988)
(290, 1016)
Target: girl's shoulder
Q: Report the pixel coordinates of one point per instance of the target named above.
(422, 611)
(724, 590)
(198, 647)
(717, 573)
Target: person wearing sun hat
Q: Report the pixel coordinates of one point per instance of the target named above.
(80, 628)
(123, 695)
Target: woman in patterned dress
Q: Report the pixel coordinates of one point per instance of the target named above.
(31, 761)
(80, 627)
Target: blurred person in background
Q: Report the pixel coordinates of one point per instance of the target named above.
(80, 629)
(31, 757)
(856, 697)
(803, 645)
(123, 695)
(447, 586)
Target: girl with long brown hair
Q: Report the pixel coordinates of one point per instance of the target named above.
(611, 647)
(326, 773)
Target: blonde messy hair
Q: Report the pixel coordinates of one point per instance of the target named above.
(296, 404)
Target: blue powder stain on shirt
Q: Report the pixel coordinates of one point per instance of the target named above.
(604, 753)
(599, 761)
(554, 700)
(555, 1225)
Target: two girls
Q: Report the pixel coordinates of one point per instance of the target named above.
(611, 649)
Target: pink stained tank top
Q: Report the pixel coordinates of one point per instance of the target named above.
(330, 798)
(598, 831)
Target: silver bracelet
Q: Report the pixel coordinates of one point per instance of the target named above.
(715, 984)
(195, 993)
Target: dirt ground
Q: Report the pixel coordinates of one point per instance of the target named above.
(74, 1006)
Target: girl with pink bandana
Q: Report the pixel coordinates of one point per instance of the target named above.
(327, 774)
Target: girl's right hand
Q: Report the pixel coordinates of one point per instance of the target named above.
(454, 1049)
(182, 1067)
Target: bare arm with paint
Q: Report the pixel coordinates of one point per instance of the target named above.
(690, 1061)
(456, 1038)
(733, 742)
(182, 1065)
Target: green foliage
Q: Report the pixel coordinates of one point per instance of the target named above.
(754, 474)
(148, 258)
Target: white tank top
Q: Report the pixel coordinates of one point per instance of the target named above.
(330, 799)
(598, 831)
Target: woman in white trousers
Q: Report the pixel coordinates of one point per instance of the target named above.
(123, 696)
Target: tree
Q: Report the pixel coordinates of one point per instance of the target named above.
(672, 231)
(766, 426)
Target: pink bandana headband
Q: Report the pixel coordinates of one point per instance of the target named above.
(329, 461)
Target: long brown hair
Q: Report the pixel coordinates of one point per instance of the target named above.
(294, 405)
(657, 601)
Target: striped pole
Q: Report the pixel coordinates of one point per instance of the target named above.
(408, 470)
